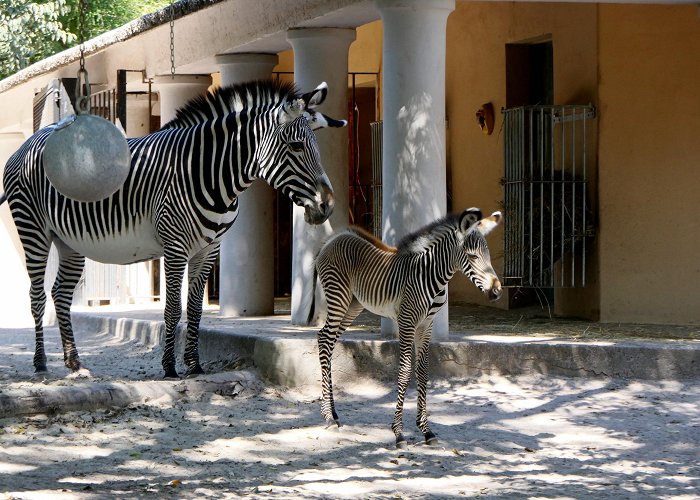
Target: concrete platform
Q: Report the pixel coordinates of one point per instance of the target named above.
(288, 355)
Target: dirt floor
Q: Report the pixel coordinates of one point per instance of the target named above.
(500, 437)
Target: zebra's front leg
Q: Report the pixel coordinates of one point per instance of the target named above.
(199, 267)
(405, 347)
(174, 263)
(70, 268)
(422, 362)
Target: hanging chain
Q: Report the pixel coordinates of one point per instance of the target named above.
(172, 39)
(82, 88)
(81, 32)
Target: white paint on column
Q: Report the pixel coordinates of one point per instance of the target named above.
(414, 166)
(321, 54)
(246, 278)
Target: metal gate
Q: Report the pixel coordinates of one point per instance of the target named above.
(548, 215)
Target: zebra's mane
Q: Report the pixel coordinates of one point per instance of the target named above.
(225, 100)
(421, 240)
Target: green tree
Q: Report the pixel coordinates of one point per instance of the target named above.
(33, 30)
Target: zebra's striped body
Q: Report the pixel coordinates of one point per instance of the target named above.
(406, 284)
(180, 197)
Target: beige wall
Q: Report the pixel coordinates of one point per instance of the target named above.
(477, 34)
(649, 157)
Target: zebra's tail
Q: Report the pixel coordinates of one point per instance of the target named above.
(3, 198)
(312, 307)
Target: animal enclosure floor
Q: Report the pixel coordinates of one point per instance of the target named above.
(500, 437)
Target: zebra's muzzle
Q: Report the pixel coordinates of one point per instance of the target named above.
(319, 211)
(494, 293)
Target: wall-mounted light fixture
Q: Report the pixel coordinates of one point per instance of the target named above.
(485, 118)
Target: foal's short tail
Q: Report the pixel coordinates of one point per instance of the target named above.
(312, 307)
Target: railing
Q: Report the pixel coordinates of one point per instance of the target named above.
(548, 215)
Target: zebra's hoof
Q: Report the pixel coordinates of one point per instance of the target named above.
(73, 365)
(171, 374)
(332, 423)
(431, 440)
(40, 370)
(194, 371)
(401, 443)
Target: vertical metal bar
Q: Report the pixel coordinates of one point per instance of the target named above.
(584, 184)
(540, 160)
(573, 198)
(550, 134)
(521, 193)
(563, 199)
(531, 188)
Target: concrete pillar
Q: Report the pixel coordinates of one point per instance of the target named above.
(247, 280)
(173, 93)
(321, 54)
(414, 168)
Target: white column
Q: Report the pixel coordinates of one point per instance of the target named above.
(247, 280)
(173, 93)
(321, 54)
(413, 92)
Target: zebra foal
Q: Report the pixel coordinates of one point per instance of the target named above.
(406, 284)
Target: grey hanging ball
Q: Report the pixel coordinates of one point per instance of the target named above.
(86, 157)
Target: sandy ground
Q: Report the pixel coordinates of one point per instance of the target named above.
(500, 437)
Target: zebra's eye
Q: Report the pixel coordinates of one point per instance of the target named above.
(296, 146)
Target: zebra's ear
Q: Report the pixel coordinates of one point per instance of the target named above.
(292, 109)
(487, 225)
(319, 120)
(316, 96)
(468, 218)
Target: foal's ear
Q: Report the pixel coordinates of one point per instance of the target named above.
(468, 218)
(487, 225)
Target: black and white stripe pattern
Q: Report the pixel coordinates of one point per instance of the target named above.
(180, 197)
(406, 284)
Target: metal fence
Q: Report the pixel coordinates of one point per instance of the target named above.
(377, 178)
(548, 215)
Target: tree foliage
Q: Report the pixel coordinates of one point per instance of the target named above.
(33, 30)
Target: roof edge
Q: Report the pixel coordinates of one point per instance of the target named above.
(136, 27)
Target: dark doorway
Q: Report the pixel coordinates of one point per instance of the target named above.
(529, 73)
(530, 81)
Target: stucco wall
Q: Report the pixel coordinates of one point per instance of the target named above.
(649, 161)
(477, 34)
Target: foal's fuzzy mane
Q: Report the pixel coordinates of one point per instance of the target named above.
(225, 100)
(420, 240)
(416, 242)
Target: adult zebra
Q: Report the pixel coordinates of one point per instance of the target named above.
(180, 197)
(405, 283)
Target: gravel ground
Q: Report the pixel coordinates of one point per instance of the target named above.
(500, 437)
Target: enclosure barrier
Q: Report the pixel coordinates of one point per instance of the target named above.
(548, 216)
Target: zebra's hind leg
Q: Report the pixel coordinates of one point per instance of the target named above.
(36, 268)
(405, 347)
(36, 246)
(174, 263)
(422, 358)
(199, 267)
(326, 343)
(70, 268)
